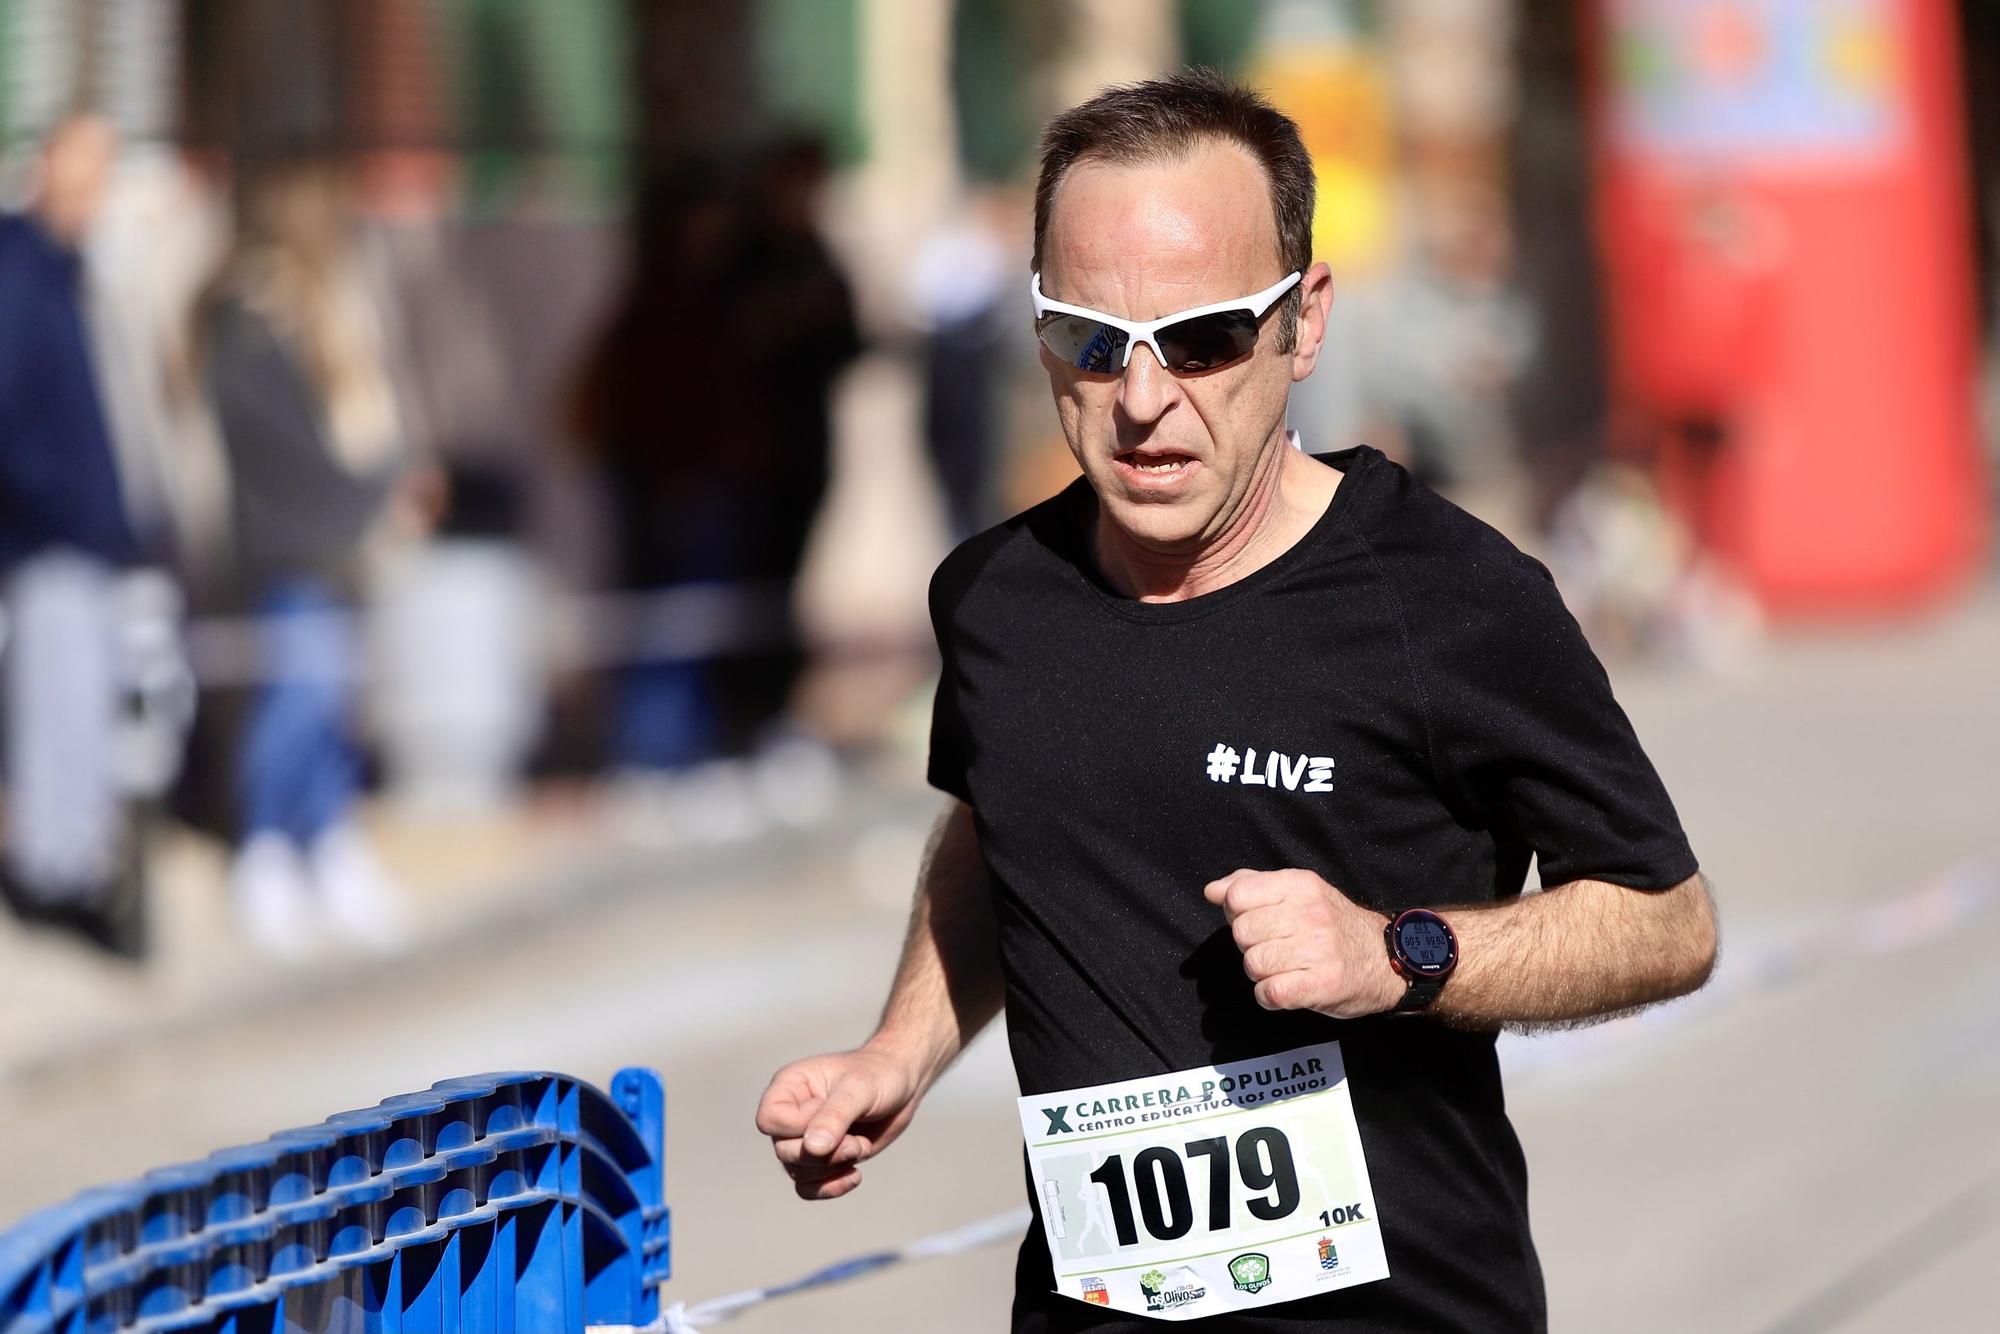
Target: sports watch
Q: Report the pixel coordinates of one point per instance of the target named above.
(1422, 950)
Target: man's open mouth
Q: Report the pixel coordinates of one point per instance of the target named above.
(1154, 463)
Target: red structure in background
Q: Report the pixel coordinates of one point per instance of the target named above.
(1783, 222)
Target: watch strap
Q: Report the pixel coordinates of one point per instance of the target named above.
(1418, 996)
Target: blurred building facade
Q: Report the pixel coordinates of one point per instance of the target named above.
(500, 148)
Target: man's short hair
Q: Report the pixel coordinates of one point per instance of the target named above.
(1169, 116)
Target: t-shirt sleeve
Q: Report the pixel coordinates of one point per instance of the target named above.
(1524, 732)
(951, 751)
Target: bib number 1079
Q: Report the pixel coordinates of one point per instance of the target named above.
(1263, 1159)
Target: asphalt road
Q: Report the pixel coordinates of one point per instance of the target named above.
(1808, 1146)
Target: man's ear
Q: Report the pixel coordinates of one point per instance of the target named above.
(1315, 299)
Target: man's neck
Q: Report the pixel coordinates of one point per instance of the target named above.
(1285, 499)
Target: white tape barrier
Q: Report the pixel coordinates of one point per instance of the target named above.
(689, 623)
(1920, 916)
(680, 1318)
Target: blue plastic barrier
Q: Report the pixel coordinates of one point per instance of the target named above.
(526, 1202)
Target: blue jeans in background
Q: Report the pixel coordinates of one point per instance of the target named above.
(297, 770)
(666, 716)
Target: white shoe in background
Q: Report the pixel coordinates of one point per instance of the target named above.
(273, 897)
(357, 898)
(796, 779)
(714, 803)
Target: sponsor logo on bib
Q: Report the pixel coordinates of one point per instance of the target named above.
(1329, 1254)
(1293, 773)
(1094, 1293)
(1251, 1271)
(1167, 1294)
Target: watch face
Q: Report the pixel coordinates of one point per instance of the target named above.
(1425, 943)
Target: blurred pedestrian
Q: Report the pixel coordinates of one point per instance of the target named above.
(707, 404)
(654, 409)
(64, 534)
(1445, 339)
(290, 350)
(961, 295)
(795, 314)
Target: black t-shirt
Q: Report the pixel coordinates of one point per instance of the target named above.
(1103, 745)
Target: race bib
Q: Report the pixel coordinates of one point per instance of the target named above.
(1220, 1188)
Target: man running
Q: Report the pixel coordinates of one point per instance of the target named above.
(1249, 750)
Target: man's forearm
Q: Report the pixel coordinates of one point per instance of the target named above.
(948, 984)
(1576, 951)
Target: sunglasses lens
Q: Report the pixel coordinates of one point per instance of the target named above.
(1208, 341)
(1088, 345)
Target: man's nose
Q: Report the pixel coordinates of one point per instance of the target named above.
(1146, 388)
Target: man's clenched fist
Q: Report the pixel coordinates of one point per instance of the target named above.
(1306, 945)
(827, 1114)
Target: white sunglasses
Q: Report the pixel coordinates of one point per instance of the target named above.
(1200, 339)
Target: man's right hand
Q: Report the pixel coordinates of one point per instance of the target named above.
(827, 1114)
